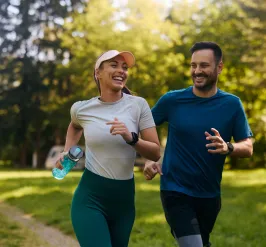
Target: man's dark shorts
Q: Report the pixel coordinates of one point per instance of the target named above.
(188, 215)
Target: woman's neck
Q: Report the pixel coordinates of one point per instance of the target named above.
(111, 96)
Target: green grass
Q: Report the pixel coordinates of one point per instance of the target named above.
(241, 222)
(15, 235)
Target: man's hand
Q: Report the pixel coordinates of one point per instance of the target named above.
(217, 142)
(151, 169)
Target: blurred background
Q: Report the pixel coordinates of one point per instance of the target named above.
(48, 49)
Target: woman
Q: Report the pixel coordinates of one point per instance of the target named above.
(103, 210)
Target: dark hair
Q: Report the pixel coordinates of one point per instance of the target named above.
(124, 89)
(218, 54)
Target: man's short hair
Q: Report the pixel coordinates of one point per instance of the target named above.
(218, 54)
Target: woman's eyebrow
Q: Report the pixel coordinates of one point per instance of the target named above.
(113, 61)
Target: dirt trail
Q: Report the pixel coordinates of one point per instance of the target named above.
(51, 235)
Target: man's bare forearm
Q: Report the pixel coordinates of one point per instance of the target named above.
(243, 149)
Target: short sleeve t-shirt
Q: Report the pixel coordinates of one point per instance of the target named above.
(107, 155)
(187, 165)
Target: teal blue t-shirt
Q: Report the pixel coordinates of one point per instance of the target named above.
(187, 165)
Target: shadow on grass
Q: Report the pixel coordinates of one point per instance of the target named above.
(243, 216)
(240, 223)
(46, 199)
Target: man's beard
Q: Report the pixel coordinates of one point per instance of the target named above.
(210, 81)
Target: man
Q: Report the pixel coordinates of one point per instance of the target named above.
(202, 119)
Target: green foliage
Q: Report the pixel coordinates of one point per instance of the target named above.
(102, 27)
(36, 93)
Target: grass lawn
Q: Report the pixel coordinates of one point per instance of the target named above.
(15, 235)
(241, 223)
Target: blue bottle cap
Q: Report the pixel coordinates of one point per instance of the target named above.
(75, 153)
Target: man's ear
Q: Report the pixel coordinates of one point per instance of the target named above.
(220, 67)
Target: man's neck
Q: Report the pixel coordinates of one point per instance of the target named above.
(205, 94)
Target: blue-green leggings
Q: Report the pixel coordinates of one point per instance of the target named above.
(103, 211)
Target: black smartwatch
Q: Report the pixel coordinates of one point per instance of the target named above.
(230, 148)
(135, 139)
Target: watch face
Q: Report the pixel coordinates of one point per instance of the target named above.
(135, 136)
(230, 147)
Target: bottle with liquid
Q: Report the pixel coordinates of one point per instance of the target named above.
(70, 160)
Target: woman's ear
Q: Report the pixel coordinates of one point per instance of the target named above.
(97, 74)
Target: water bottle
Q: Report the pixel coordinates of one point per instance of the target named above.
(70, 160)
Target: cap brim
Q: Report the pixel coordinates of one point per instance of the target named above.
(128, 56)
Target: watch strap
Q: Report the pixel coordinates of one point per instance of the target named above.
(230, 148)
(135, 139)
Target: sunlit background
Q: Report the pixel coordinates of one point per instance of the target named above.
(47, 52)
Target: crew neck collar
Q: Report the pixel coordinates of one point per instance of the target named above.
(111, 103)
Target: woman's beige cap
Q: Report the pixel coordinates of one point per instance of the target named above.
(128, 56)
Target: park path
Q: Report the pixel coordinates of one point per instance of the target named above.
(51, 235)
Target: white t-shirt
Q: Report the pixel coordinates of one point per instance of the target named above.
(107, 155)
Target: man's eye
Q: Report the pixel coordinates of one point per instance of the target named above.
(125, 68)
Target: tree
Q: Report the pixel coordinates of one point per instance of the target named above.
(23, 90)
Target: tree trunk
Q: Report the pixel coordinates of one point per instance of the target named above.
(23, 155)
(233, 162)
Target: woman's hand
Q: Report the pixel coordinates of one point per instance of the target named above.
(59, 160)
(119, 128)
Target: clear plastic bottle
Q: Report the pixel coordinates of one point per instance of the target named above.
(70, 160)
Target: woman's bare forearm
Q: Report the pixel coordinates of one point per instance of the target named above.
(149, 146)
(73, 136)
(148, 150)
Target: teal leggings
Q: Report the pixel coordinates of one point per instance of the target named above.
(103, 211)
